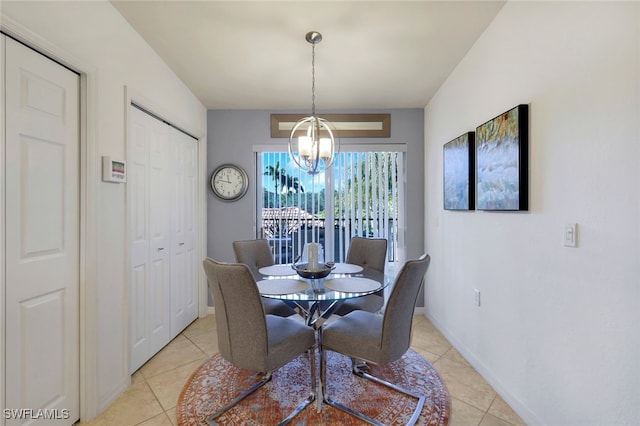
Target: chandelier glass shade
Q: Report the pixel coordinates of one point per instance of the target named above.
(312, 142)
(314, 149)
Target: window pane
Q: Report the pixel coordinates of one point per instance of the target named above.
(365, 201)
(366, 198)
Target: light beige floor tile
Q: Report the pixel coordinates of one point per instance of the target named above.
(429, 356)
(167, 386)
(201, 325)
(501, 410)
(206, 342)
(135, 405)
(463, 414)
(137, 377)
(490, 420)
(424, 323)
(420, 319)
(98, 421)
(430, 340)
(173, 416)
(179, 352)
(159, 420)
(454, 355)
(465, 383)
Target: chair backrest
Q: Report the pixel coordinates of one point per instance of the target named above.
(253, 253)
(240, 317)
(398, 315)
(368, 252)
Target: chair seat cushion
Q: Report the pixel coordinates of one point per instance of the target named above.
(277, 307)
(357, 335)
(371, 303)
(286, 337)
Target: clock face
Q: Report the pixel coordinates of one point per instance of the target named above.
(229, 182)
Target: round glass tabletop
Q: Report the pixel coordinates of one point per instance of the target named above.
(336, 286)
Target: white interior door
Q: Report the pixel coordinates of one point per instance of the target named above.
(42, 236)
(160, 235)
(150, 239)
(184, 297)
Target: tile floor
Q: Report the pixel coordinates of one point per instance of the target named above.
(155, 387)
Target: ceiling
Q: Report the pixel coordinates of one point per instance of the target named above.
(253, 54)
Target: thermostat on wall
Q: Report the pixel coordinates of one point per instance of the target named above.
(113, 170)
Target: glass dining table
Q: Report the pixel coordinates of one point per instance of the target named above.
(317, 299)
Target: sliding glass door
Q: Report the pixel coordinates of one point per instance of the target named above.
(361, 195)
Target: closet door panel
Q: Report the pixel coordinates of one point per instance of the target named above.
(183, 225)
(149, 225)
(138, 206)
(159, 222)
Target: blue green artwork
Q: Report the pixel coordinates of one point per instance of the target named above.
(502, 161)
(458, 173)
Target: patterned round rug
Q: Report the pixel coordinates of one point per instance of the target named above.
(217, 382)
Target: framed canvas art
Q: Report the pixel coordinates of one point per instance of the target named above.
(458, 170)
(502, 161)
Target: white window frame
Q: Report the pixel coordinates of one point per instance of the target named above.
(400, 250)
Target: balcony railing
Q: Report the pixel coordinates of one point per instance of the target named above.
(287, 235)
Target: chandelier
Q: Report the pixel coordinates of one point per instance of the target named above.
(314, 149)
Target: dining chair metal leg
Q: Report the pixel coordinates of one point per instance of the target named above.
(360, 364)
(359, 371)
(312, 395)
(327, 399)
(265, 379)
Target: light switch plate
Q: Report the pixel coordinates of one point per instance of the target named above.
(571, 235)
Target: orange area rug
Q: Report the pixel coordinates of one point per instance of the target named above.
(217, 381)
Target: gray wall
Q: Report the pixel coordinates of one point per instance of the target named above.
(233, 133)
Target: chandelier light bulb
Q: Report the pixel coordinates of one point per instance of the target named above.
(325, 149)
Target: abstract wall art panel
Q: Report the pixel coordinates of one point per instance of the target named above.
(502, 161)
(459, 169)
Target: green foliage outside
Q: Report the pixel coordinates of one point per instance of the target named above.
(289, 192)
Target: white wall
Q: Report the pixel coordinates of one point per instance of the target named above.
(557, 333)
(95, 35)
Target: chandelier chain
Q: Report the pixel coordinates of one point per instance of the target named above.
(313, 79)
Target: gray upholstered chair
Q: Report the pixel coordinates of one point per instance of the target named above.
(378, 339)
(257, 254)
(247, 337)
(368, 253)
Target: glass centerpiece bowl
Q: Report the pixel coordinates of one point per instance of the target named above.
(322, 271)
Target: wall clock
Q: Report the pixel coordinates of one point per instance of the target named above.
(229, 182)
